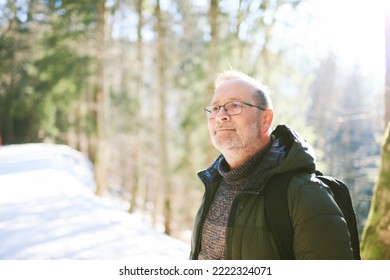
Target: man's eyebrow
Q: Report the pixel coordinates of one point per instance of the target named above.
(229, 100)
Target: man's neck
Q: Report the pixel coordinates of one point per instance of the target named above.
(235, 158)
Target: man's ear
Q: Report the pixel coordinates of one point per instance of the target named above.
(268, 116)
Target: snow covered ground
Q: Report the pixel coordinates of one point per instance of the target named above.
(48, 210)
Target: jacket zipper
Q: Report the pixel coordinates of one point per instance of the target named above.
(231, 219)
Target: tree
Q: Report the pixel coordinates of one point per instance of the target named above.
(375, 242)
(387, 48)
(376, 236)
(138, 181)
(213, 58)
(14, 38)
(47, 68)
(100, 160)
(162, 121)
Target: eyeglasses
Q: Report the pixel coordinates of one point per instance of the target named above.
(231, 108)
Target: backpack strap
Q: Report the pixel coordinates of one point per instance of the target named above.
(277, 214)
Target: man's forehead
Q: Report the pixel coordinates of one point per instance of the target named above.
(233, 89)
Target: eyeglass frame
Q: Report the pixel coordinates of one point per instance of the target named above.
(227, 111)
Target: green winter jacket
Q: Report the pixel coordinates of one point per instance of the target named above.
(320, 230)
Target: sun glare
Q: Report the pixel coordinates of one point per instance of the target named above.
(353, 29)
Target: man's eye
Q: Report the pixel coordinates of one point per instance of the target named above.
(214, 109)
(235, 105)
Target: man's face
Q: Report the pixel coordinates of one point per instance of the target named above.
(240, 132)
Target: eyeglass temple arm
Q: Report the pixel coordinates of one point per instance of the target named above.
(248, 104)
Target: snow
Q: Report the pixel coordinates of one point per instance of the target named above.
(48, 210)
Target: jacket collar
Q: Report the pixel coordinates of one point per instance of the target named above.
(277, 159)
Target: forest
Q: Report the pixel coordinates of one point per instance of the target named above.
(125, 82)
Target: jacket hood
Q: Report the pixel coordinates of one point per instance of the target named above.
(299, 154)
(288, 151)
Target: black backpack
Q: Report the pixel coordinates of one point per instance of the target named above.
(277, 214)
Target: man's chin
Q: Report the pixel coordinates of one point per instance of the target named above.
(224, 145)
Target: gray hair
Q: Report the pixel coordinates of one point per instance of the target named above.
(263, 97)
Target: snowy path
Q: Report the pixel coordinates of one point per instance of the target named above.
(47, 211)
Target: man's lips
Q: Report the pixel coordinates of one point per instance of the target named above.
(224, 129)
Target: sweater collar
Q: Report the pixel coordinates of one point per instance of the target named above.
(246, 170)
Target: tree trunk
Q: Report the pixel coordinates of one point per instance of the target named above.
(162, 125)
(376, 236)
(100, 163)
(213, 60)
(387, 46)
(138, 181)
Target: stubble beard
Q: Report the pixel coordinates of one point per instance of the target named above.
(234, 142)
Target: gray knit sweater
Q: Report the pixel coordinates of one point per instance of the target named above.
(214, 230)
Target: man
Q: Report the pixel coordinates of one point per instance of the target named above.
(230, 223)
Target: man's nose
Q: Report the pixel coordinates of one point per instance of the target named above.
(222, 114)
